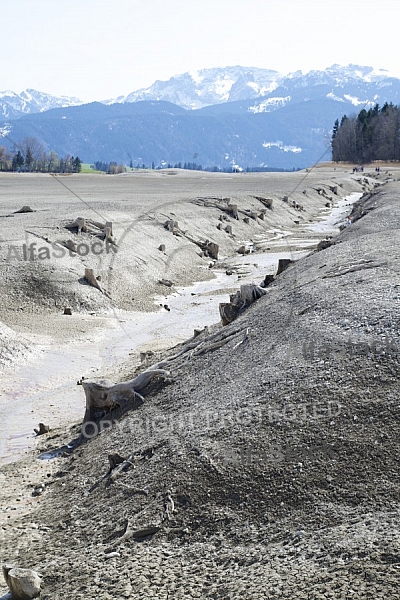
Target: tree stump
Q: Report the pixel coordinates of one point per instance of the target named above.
(234, 211)
(210, 249)
(42, 429)
(247, 295)
(102, 398)
(283, 264)
(268, 279)
(79, 224)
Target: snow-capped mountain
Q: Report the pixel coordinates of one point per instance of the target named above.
(30, 101)
(206, 87)
(352, 84)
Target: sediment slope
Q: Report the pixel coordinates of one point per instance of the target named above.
(278, 448)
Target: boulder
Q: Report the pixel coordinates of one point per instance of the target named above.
(24, 584)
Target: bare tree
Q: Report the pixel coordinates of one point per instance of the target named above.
(32, 151)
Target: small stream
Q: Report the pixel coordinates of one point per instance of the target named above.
(45, 387)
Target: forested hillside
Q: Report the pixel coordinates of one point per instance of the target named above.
(371, 135)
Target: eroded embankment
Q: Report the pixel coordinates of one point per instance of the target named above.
(49, 351)
(267, 466)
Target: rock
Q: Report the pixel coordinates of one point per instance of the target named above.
(67, 311)
(166, 282)
(24, 584)
(38, 490)
(24, 209)
(70, 245)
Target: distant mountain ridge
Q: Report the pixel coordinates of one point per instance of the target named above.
(196, 89)
(207, 87)
(237, 115)
(30, 101)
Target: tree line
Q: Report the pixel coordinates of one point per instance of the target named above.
(371, 135)
(30, 156)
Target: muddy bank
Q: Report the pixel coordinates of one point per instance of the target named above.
(278, 449)
(47, 351)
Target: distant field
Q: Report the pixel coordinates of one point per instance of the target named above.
(86, 169)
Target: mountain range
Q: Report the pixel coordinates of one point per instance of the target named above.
(234, 115)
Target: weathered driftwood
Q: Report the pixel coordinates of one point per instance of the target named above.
(102, 230)
(247, 295)
(250, 213)
(169, 506)
(268, 202)
(90, 278)
(24, 584)
(137, 534)
(114, 460)
(101, 399)
(79, 224)
(42, 429)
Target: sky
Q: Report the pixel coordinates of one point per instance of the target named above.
(102, 49)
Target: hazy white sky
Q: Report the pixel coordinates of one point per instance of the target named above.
(99, 49)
